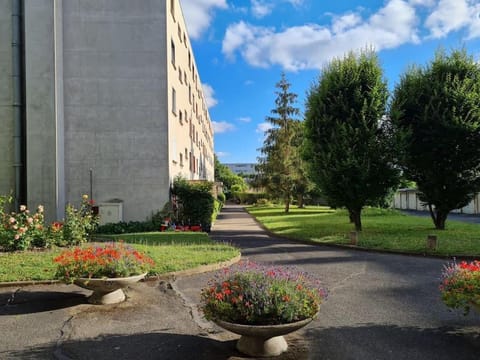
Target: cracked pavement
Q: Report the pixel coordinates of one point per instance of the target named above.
(380, 306)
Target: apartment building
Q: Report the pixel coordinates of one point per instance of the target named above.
(102, 98)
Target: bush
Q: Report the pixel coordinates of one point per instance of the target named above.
(195, 203)
(249, 198)
(79, 224)
(221, 197)
(263, 202)
(22, 230)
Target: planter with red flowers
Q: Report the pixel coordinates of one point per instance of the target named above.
(105, 269)
(262, 303)
(460, 286)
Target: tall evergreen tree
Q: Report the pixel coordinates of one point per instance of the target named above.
(436, 112)
(277, 165)
(347, 145)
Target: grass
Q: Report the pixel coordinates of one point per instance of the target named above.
(171, 252)
(383, 229)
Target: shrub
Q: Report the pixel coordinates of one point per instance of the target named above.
(195, 202)
(22, 230)
(221, 197)
(79, 223)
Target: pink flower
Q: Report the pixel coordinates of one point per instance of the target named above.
(23, 208)
(40, 208)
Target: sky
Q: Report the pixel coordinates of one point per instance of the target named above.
(242, 47)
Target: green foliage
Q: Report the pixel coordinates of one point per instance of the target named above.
(252, 294)
(350, 150)
(436, 114)
(221, 197)
(224, 175)
(279, 164)
(79, 224)
(124, 227)
(195, 202)
(249, 198)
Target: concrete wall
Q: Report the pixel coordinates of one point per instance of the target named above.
(6, 111)
(40, 105)
(115, 96)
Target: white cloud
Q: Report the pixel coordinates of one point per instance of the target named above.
(345, 22)
(245, 119)
(310, 46)
(198, 14)
(449, 15)
(222, 154)
(209, 95)
(261, 8)
(263, 127)
(454, 15)
(222, 127)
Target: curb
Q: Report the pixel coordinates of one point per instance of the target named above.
(359, 248)
(197, 270)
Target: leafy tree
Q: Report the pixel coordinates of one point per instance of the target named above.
(227, 177)
(347, 143)
(277, 165)
(436, 112)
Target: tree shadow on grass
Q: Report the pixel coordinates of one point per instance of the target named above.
(146, 346)
(29, 302)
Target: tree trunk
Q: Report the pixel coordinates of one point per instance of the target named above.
(287, 205)
(440, 220)
(439, 217)
(300, 201)
(350, 216)
(356, 218)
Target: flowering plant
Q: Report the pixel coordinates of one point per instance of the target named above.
(108, 261)
(79, 223)
(460, 287)
(23, 230)
(254, 294)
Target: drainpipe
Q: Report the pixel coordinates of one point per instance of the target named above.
(18, 102)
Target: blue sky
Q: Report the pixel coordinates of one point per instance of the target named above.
(242, 47)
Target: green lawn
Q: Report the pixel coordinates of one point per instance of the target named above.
(171, 252)
(383, 229)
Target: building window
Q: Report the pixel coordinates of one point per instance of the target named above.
(186, 153)
(181, 159)
(186, 118)
(185, 39)
(180, 75)
(190, 93)
(172, 46)
(180, 117)
(179, 33)
(174, 101)
(189, 60)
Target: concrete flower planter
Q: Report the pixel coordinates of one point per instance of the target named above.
(107, 290)
(262, 340)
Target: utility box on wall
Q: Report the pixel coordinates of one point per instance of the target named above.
(110, 212)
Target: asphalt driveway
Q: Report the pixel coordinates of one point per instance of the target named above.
(380, 306)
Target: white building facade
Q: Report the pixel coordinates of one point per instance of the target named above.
(104, 99)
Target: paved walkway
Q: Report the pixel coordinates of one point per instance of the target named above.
(380, 306)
